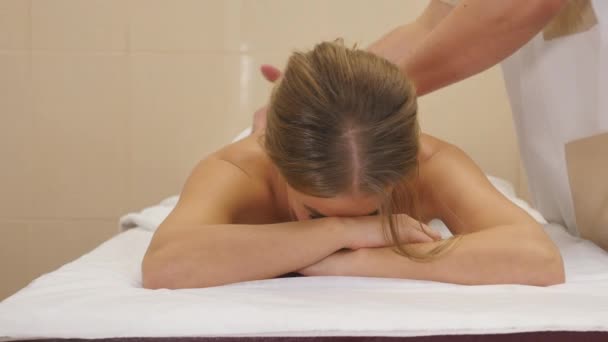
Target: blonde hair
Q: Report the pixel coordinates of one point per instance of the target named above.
(344, 121)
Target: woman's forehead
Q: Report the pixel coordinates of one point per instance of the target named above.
(342, 205)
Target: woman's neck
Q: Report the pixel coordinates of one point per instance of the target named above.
(279, 190)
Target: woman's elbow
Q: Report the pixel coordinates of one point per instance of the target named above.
(550, 267)
(153, 274)
(152, 282)
(163, 272)
(158, 272)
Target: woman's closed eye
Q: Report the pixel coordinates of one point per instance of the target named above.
(315, 215)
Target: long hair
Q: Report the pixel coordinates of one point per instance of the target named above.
(344, 121)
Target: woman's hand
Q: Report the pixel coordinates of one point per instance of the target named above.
(342, 263)
(367, 231)
(364, 234)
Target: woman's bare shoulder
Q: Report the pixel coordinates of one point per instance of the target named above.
(247, 155)
(430, 146)
(458, 191)
(230, 185)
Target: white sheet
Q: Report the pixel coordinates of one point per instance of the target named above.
(100, 296)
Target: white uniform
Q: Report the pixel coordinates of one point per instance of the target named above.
(558, 90)
(559, 93)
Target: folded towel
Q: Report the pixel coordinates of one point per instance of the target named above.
(149, 218)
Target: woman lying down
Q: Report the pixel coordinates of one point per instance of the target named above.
(340, 182)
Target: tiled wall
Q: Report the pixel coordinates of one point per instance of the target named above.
(105, 105)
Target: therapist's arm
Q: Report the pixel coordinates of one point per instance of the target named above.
(442, 47)
(397, 44)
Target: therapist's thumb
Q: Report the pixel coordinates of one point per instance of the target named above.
(270, 72)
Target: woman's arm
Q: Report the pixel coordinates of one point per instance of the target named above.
(510, 254)
(499, 243)
(198, 246)
(211, 255)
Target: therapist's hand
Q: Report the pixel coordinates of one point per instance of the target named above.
(271, 74)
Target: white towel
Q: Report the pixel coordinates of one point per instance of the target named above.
(149, 218)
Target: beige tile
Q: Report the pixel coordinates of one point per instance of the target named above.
(14, 257)
(15, 135)
(380, 17)
(184, 107)
(261, 25)
(79, 25)
(254, 90)
(475, 115)
(191, 25)
(14, 24)
(365, 21)
(56, 242)
(343, 19)
(280, 26)
(81, 126)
